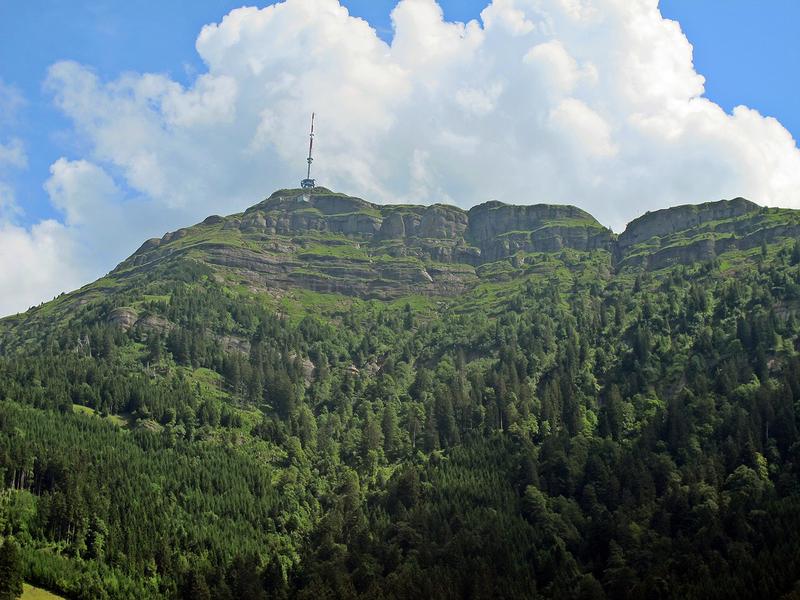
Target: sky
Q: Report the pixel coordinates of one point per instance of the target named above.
(121, 121)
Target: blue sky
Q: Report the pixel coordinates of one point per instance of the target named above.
(120, 121)
(748, 51)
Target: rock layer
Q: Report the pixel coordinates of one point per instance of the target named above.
(325, 241)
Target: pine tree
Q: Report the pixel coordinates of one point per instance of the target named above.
(196, 587)
(390, 430)
(10, 570)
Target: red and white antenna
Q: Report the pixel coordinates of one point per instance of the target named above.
(308, 182)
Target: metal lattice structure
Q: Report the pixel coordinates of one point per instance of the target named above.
(308, 182)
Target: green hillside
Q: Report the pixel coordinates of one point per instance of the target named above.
(324, 397)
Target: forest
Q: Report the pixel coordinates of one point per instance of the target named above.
(575, 436)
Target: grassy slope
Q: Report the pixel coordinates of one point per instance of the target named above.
(30, 592)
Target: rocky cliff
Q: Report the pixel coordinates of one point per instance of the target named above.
(501, 230)
(662, 223)
(692, 233)
(330, 242)
(325, 241)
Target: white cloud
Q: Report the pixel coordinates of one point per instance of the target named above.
(39, 261)
(100, 228)
(582, 128)
(558, 71)
(8, 203)
(13, 154)
(105, 224)
(37, 264)
(590, 102)
(47, 258)
(11, 100)
(80, 189)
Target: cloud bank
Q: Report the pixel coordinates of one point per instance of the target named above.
(588, 102)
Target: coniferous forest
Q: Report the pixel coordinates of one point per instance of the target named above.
(567, 427)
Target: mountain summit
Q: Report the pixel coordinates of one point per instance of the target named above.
(327, 241)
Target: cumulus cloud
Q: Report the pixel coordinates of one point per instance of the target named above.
(80, 190)
(592, 102)
(37, 264)
(38, 261)
(105, 224)
(589, 102)
(100, 227)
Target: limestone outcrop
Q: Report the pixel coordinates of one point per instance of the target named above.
(329, 242)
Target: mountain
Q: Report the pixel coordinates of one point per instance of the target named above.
(318, 240)
(322, 396)
(329, 242)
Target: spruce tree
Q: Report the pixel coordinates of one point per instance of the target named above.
(10, 570)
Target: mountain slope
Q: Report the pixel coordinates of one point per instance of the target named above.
(323, 397)
(320, 241)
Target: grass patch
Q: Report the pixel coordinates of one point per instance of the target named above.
(210, 383)
(327, 251)
(301, 303)
(123, 421)
(83, 410)
(30, 592)
(419, 304)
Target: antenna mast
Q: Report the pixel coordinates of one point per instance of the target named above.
(308, 182)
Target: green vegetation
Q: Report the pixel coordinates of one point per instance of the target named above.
(30, 592)
(10, 569)
(568, 426)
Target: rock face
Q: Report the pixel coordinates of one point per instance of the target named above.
(487, 228)
(329, 242)
(668, 221)
(288, 212)
(123, 317)
(442, 222)
(393, 227)
(503, 230)
(494, 218)
(696, 233)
